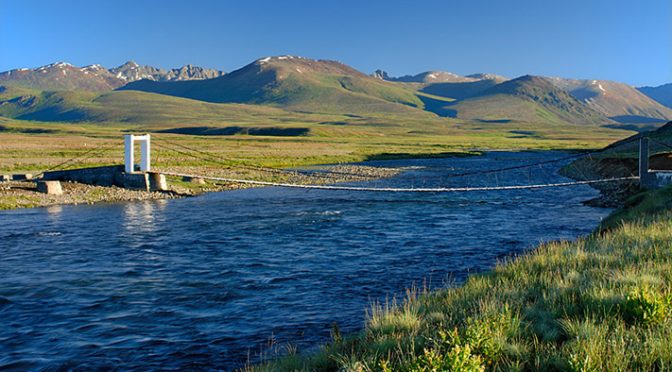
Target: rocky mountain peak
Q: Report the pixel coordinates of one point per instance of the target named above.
(380, 74)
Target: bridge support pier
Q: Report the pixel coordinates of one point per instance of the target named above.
(157, 182)
(643, 161)
(647, 179)
(50, 187)
(650, 179)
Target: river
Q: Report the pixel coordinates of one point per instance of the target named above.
(209, 282)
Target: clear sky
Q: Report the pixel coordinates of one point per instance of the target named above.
(624, 40)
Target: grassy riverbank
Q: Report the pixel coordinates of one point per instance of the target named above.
(603, 302)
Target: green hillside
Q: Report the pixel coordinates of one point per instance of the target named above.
(157, 111)
(528, 99)
(30, 104)
(297, 84)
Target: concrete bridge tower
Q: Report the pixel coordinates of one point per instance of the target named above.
(129, 142)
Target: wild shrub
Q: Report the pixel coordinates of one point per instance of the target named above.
(458, 358)
(471, 348)
(646, 306)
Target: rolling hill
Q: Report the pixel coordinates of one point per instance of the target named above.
(62, 76)
(618, 101)
(294, 83)
(131, 107)
(661, 94)
(528, 99)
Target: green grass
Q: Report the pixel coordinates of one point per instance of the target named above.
(646, 202)
(15, 202)
(603, 302)
(325, 144)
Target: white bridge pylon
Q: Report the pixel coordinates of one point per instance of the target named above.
(129, 142)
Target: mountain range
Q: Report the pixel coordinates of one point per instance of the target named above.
(96, 78)
(322, 86)
(618, 101)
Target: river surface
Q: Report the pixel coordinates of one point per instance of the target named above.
(210, 282)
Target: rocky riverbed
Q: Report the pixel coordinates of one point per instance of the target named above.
(612, 194)
(24, 194)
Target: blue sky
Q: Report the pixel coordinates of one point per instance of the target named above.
(629, 41)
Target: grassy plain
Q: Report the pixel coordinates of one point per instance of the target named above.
(34, 145)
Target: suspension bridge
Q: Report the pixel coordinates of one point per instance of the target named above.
(141, 175)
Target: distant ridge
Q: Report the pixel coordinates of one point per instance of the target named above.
(618, 101)
(661, 94)
(96, 78)
(430, 77)
(131, 71)
(488, 76)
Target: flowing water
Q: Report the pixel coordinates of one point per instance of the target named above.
(209, 282)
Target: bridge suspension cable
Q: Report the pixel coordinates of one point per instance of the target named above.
(213, 159)
(401, 189)
(77, 159)
(209, 157)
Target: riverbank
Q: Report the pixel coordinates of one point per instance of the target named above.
(14, 195)
(602, 302)
(621, 159)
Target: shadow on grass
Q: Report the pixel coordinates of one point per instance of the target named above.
(27, 130)
(233, 130)
(421, 155)
(438, 106)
